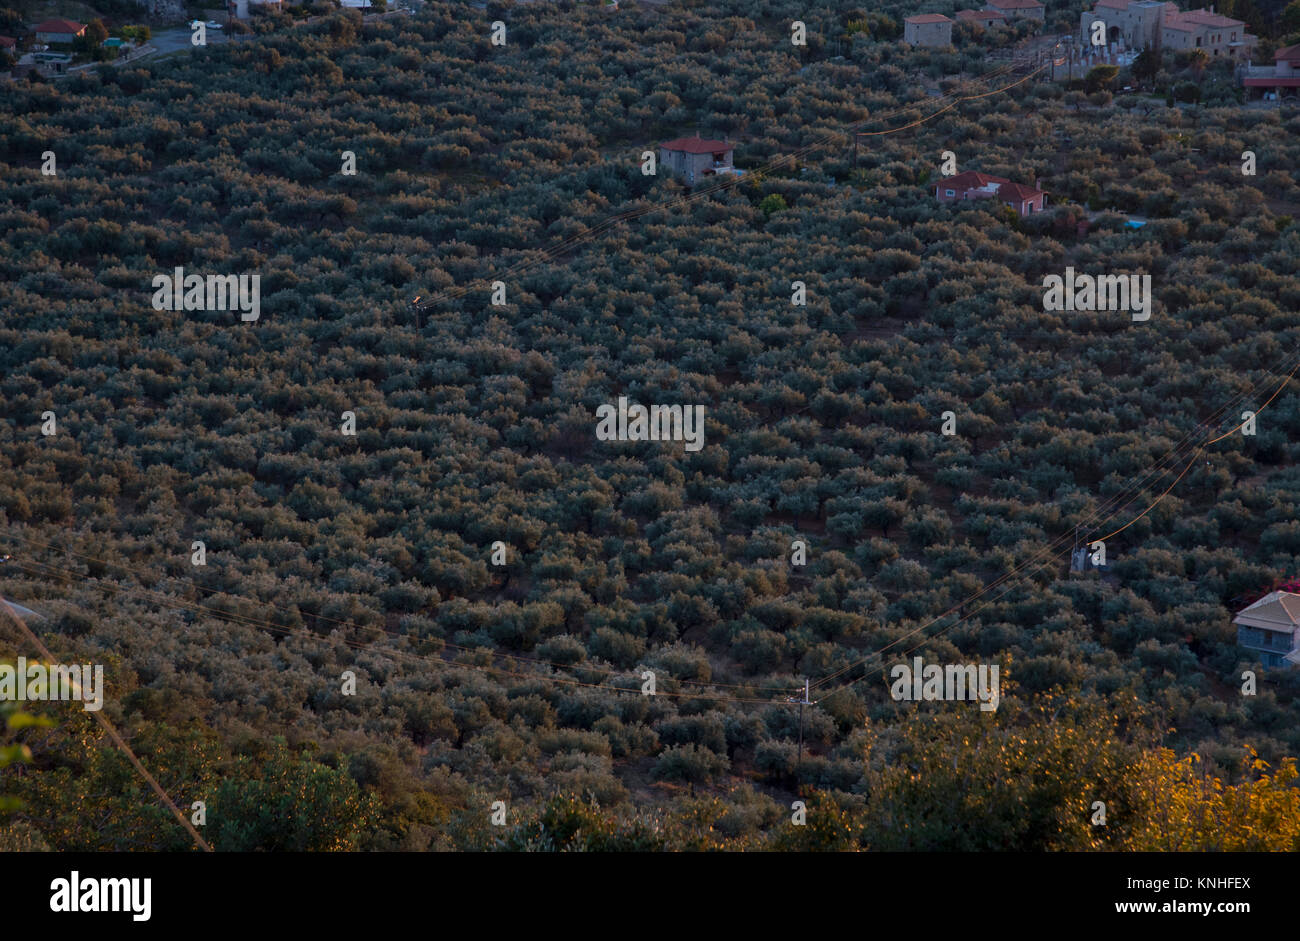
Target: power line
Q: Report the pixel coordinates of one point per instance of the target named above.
(338, 622)
(1049, 548)
(113, 734)
(564, 245)
(45, 568)
(1110, 507)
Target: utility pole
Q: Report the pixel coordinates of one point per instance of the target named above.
(803, 702)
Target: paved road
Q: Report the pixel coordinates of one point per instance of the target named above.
(170, 40)
(179, 38)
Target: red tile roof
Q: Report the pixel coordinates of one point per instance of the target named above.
(927, 18)
(59, 26)
(1197, 19)
(969, 180)
(1289, 54)
(1206, 18)
(973, 180)
(696, 145)
(8, 42)
(1018, 192)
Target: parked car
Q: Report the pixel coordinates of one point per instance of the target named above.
(213, 24)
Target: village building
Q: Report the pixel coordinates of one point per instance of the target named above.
(1018, 9)
(1281, 79)
(981, 17)
(59, 31)
(242, 9)
(1135, 23)
(8, 43)
(694, 157)
(1201, 29)
(1150, 24)
(1270, 627)
(928, 29)
(1025, 200)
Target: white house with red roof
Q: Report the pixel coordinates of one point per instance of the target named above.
(974, 185)
(927, 29)
(58, 31)
(1270, 629)
(1281, 77)
(694, 157)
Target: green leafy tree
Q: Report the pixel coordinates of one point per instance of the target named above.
(16, 752)
(288, 803)
(772, 203)
(1290, 21)
(1100, 77)
(1147, 65)
(1192, 810)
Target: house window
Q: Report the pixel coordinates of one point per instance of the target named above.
(949, 193)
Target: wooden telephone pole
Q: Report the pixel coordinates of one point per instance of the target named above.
(856, 135)
(803, 702)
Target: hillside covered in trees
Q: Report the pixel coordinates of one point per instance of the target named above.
(521, 682)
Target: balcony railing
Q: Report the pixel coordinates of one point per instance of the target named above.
(1278, 642)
